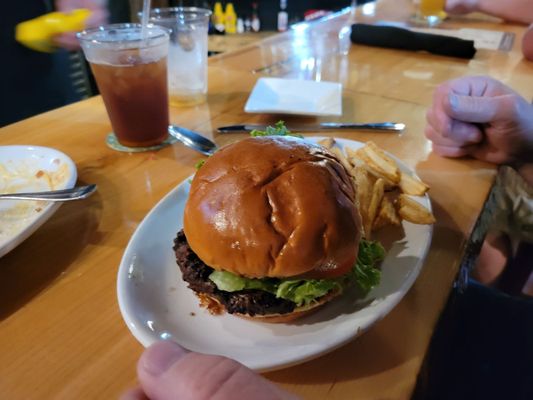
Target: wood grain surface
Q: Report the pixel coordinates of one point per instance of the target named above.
(61, 333)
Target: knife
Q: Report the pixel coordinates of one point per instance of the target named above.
(380, 126)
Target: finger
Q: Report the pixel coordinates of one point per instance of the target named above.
(453, 151)
(134, 394)
(479, 109)
(438, 140)
(449, 132)
(476, 86)
(166, 369)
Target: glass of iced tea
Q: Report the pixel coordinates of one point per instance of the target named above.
(131, 74)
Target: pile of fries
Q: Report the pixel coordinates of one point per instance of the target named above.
(383, 190)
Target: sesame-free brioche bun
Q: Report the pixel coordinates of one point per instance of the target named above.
(274, 206)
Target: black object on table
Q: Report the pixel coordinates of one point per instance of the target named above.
(405, 39)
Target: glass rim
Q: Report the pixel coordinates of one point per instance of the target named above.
(185, 11)
(86, 34)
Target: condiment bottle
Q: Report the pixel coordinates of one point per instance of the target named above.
(256, 22)
(218, 17)
(230, 19)
(283, 16)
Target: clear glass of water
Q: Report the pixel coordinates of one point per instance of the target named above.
(187, 53)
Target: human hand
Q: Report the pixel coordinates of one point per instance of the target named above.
(167, 371)
(527, 43)
(461, 6)
(99, 15)
(481, 117)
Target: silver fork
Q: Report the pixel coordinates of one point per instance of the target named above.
(76, 193)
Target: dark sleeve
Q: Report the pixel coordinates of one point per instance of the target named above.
(31, 82)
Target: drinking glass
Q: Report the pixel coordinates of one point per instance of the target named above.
(430, 12)
(131, 74)
(187, 54)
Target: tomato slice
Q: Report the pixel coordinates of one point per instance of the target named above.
(329, 273)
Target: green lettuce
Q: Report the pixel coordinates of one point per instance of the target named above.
(305, 291)
(364, 274)
(279, 129)
(199, 164)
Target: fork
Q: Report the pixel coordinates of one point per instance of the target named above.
(76, 193)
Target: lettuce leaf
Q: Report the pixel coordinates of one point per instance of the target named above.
(279, 129)
(299, 291)
(364, 273)
(233, 283)
(304, 291)
(199, 164)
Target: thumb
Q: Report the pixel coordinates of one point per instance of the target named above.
(167, 371)
(479, 109)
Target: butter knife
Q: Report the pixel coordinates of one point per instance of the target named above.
(380, 126)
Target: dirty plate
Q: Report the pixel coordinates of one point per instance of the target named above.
(29, 169)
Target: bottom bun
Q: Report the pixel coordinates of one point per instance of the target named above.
(216, 308)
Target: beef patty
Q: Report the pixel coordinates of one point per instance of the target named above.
(250, 301)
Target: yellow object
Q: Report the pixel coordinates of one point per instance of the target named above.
(230, 19)
(218, 17)
(430, 8)
(37, 33)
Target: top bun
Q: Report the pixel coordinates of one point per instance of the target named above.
(274, 206)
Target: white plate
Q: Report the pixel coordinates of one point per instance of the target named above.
(291, 96)
(156, 303)
(29, 169)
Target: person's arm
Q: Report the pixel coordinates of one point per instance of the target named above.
(510, 10)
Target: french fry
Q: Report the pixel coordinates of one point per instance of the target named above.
(380, 152)
(363, 190)
(414, 212)
(411, 185)
(328, 143)
(387, 214)
(389, 185)
(377, 195)
(362, 158)
(340, 156)
(377, 159)
(374, 172)
(350, 152)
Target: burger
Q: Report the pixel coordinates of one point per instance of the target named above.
(271, 231)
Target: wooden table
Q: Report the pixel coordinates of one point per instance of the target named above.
(231, 42)
(61, 333)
